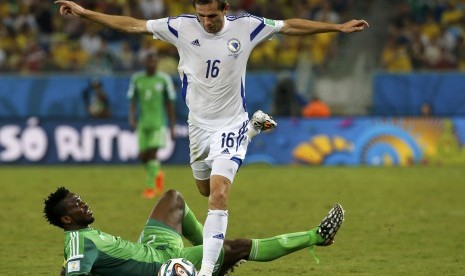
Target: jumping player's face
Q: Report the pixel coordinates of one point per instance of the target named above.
(77, 211)
(211, 17)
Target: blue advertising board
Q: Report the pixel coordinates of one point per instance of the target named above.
(375, 141)
(336, 141)
(62, 96)
(404, 94)
(53, 141)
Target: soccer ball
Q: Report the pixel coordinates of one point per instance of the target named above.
(177, 267)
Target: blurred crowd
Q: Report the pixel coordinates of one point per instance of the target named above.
(426, 35)
(34, 38)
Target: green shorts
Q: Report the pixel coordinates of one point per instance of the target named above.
(150, 138)
(169, 244)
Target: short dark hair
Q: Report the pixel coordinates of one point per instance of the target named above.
(221, 3)
(53, 209)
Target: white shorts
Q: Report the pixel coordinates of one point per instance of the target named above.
(207, 146)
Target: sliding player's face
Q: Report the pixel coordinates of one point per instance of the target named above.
(78, 212)
(211, 17)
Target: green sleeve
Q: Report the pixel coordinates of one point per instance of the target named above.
(82, 264)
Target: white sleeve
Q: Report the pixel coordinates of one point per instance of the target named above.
(263, 28)
(165, 29)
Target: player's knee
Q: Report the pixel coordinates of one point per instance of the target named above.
(173, 196)
(142, 157)
(218, 199)
(204, 187)
(151, 154)
(204, 191)
(219, 195)
(173, 193)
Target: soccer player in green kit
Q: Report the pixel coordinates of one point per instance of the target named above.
(154, 92)
(89, 251)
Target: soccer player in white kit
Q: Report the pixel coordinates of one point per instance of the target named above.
(213, 50)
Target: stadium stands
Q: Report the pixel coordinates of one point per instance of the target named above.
(35, 38)
(426, 35)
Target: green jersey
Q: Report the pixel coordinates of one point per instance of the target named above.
(92, 252)
(151, 93)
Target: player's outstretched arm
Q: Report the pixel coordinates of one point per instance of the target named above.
(120, 23)
(306, 27)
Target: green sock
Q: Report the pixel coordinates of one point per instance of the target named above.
(192, 229)
(265, 250)
(152, 167)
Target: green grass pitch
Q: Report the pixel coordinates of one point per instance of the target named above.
(399, 221)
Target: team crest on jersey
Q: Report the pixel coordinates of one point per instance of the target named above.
(234, 45)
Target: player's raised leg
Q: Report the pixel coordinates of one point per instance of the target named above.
(269, 249)
(192, 229)
(260, 121)
(172, 210)
(265, 250)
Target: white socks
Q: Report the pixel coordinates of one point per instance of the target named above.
(214, 232)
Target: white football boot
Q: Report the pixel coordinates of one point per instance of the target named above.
(262, 121)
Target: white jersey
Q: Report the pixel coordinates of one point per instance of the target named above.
(212, 67)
